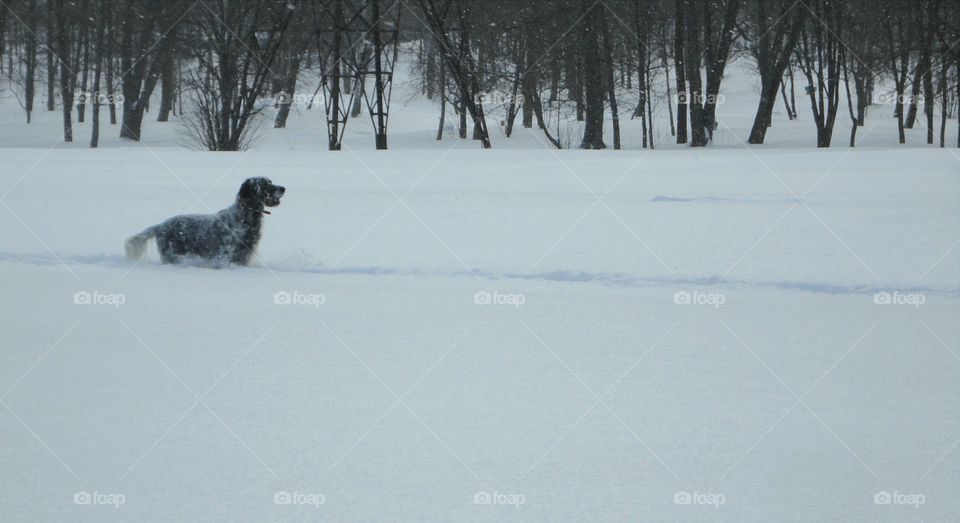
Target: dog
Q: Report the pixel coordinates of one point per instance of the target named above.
(227, 237)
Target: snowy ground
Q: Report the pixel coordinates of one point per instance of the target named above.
(782, 392)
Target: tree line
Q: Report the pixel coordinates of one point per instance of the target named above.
(218, 64)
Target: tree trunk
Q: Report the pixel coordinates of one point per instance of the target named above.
(611, 86)
(333, 80)
(140, 73)
(642, 86)
(679, 67)
(84, 68)
(29, 86)
(289, 87)
(379, 106)
(111, 88)
(591, 26)
(693, 57)
(853, 116)
(51, 57)
(914, 94)
(430, 56)
(3, 39)
(358, 92)
(538, 111)
(442, 90)
(650, 113)
(97, 65)
(66, 89)
(786, 102)
(512, 107)
(761, 122)
(900, 83)
(773, 49)
(168, 77)
(928, 98)
(716, 60)
(944, 94)
(860, 86)
(463, 69)
(666, 79)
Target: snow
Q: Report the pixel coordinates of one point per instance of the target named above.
(351, 372)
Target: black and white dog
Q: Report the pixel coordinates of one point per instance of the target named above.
(227, 237)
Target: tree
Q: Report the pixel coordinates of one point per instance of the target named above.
(820, 57)
(591, 29)
(166, 58)
(719, 33)
(770, 37)
(609, 67)
(245, 39)
(693, 58)
(288, 69)
(102, 20)
(64, 17)
(52, 60)
(679, 66)
(900, 36)
(144, 36)
(30, 60)
(460, 62)
(641, 23)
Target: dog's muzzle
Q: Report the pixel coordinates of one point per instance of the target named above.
(273, 199)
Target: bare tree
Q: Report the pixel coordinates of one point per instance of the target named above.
(64, 15)
(609, 67)
(693, 58)
(679, 66)
(770, 36)
(590, 29)
(899, 35)
(461, 64)
(166, 58)
(143, 37)
(30, 60)
(820, 56)
(51, 56)
(102, 20)
(245, 39)
(719, 21)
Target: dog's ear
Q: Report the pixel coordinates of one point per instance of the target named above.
(249, 190)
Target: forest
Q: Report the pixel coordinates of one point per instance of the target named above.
(215, 65)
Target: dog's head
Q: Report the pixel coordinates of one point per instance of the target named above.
(259, 193)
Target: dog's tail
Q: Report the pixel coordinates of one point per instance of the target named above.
(137, 244)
